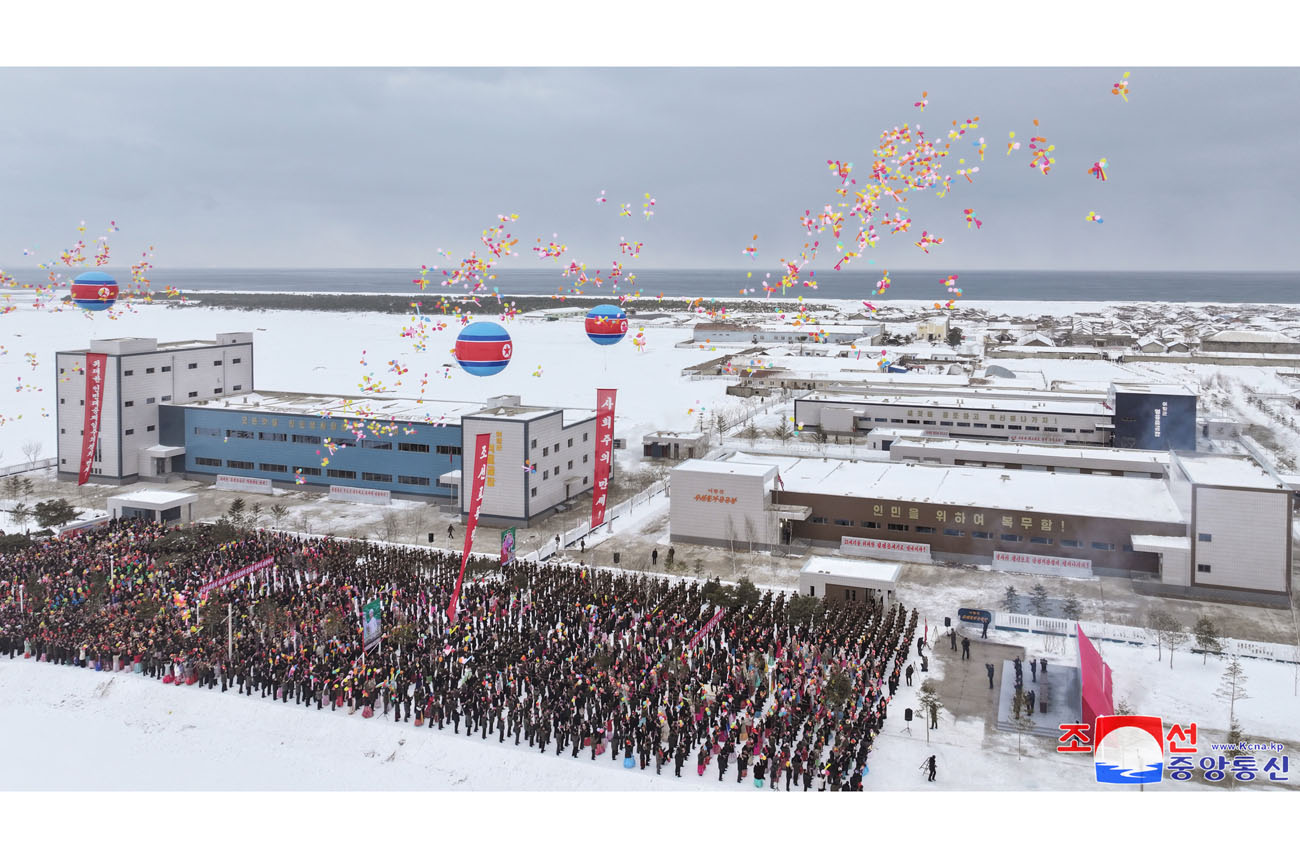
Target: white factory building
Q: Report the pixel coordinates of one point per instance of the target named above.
(1045, 419)
(140, 375)
(560, 443)
(1201, 525)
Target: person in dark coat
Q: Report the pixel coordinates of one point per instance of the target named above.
(933, 766)
(952, 637)
(1042, 666)
(965, 648)
(1029, 704)
(984, 634)
(908, 672)
(654, 556)
(1033, 670)
(988, 667)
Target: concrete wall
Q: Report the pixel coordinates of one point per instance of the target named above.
(1250, 546)
(505, 493)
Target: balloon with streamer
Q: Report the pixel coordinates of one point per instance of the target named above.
(483, 349)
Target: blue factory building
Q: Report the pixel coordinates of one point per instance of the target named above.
(283, 437)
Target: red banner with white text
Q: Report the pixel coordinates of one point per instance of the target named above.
(604, 452)
(481, 445)
(95, 365)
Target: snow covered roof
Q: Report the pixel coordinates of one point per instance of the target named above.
(1222, 470)
(1036, 337)
(1251, 337)
(1143, 461)
(991, 402)
(408, 409)
(752, 468)
(881, 575)
(973, 486)
(152, 498)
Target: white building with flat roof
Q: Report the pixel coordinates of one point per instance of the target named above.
(141, 374)
(841, 579)
(726, 502)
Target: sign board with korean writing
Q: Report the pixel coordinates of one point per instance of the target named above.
(244, 482)
(974, 615)
(96, 363)
(1031, 563)
(879, 549)
(1049, 438)
(360, 494)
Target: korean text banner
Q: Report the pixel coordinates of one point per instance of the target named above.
(95, 364)
(482, 443)
(604, 452)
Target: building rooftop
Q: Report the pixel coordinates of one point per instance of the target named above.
(154, 498)
(1251, 337)
(1222, 470)
(753, 468)
(1027, 450)
(952, 401)
(857, 569)
(1157, 388)
(380, 408)
(977, 486)
(409, 409)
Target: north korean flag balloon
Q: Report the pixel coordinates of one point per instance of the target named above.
(94, 290)
(483, 349)
(606, 324)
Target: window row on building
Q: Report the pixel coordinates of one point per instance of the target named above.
(340, 474)
(1009, 537)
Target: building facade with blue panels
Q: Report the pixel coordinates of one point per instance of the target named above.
(1154, 417)
(275, 445)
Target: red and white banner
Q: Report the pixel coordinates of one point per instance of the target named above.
(906, 550)
(1030, 563)
(243, 482)
(360, 494)
(236, 575)
(96, 362)
(604, 452)
(482, 444)
(717, 618)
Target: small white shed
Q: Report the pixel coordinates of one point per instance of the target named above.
(836, 578)
(166, 506)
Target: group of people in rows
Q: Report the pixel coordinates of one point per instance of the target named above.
(603, 664)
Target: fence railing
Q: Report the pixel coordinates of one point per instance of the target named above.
(26, 467)
(622, 509)
(1136, 635)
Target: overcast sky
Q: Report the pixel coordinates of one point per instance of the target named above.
(372, 168)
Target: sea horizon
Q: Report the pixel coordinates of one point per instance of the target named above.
(1243, 286)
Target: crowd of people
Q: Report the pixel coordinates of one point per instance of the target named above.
(607, 665)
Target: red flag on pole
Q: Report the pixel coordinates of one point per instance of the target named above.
(95, 363)
(481, 446)
(604, 452)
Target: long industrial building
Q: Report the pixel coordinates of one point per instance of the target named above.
(1213, 522)
(1145, 416)
(189, 409)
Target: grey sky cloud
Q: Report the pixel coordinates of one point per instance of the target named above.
(380, 167)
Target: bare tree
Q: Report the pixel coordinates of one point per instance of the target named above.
(32, 451)
(391, 525)
(278, 514)
(1232, 687)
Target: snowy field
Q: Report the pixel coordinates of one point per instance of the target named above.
(126, 731)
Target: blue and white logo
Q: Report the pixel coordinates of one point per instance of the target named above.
(1130, 750)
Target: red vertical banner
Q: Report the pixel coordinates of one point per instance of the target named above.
(482, 442)
(95, 365)
(604, 452)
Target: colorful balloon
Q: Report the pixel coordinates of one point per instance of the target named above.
(606, 324)
(94, 290)
(483, 349)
